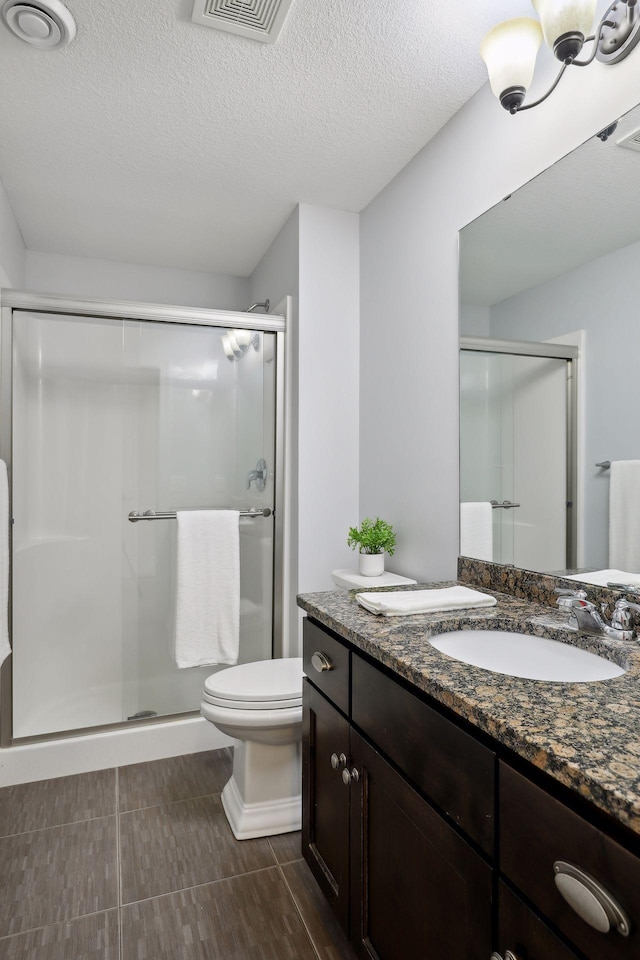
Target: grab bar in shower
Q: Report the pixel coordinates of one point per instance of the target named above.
(134, 516)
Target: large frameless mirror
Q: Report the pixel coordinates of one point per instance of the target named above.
(550, 448)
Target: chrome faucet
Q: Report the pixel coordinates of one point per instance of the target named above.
(588, 619)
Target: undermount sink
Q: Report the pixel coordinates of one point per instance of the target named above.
(522, 655)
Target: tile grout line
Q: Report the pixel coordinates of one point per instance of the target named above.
(55, 826)
(299, 911)
(118, 863)
(56, 923)
(168, 803)
(205, 883)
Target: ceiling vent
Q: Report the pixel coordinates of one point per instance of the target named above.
(258, 19)
(631, 141)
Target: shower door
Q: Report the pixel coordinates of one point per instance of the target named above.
(514, 447)
(112, 416)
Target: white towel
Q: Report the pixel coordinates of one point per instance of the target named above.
(208, 588)
(624, 515)
(5, 646)
(600, 578)
(399, 603)
(476, 530)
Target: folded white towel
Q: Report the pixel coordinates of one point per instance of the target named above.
(208, 588)
(399, 603)
(5, 646)
(476, 530)
(600, 578)
(624, 515)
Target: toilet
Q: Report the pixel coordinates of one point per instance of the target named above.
(260, 706)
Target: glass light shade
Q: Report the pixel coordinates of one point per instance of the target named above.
(510, 51)
(559, 17)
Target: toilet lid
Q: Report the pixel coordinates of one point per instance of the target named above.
(265, 684)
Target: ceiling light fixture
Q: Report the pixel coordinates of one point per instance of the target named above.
(45, 24)
(236, 343)
(510, 49)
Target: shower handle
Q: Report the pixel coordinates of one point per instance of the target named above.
(259, 475)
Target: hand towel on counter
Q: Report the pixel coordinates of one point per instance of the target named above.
(624, 515)
(399, 603)
(208, 588)
(5, 646)
(476, 530)
(600, 578)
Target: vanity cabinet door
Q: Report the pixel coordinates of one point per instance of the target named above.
(539, 834)
(418, 889)
(524, 934)
(325, 799)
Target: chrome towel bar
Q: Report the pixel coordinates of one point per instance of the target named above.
(604, 464)
(134, 516)
(505, 505)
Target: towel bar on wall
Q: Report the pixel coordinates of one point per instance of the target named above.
(134, 516)
(505, 505)
(604, 464)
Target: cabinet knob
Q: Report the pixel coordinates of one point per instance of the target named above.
(338, 761)
(350, 776)
(589, 899)
(321, 662)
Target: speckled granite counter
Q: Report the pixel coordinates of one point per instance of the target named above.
(585, 735)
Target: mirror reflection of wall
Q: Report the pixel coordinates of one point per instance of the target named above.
(557, 263)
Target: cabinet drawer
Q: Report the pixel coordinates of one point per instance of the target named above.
(522, 932)
(333, 681)
(447, 764)
(536, 830)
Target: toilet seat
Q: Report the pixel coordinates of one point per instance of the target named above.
(262, 685)
(251, 704)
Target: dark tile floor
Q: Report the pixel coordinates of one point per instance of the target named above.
(139, 863)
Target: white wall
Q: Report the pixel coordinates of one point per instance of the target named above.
(12, 251)
(409, 291)
(328, 403)
(277, 274)
(474, 320)
(112, 280)
(277, 277)
(581, 299)
(315, 258)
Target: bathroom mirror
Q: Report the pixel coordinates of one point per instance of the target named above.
(549, 390)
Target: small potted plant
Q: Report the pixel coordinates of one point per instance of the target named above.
(372, 540)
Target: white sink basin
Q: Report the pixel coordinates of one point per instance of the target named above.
(521, 655)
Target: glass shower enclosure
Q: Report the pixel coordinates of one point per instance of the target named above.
(517, 448)
(112, 417)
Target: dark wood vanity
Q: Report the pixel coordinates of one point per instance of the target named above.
(430, 838)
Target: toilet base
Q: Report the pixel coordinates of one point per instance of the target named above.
(264, 795)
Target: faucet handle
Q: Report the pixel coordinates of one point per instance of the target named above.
(576, 594)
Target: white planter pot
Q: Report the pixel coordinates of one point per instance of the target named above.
(372, 564)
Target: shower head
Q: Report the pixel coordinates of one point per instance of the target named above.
(265, 306)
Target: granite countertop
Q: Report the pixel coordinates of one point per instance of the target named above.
(585, 735)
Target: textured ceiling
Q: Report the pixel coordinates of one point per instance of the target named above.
(584, 206)
(151, 139)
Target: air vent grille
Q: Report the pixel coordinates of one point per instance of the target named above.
(258, 19)
(631, 141)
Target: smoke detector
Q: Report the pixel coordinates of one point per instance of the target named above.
(258, 19)
(46, 24)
